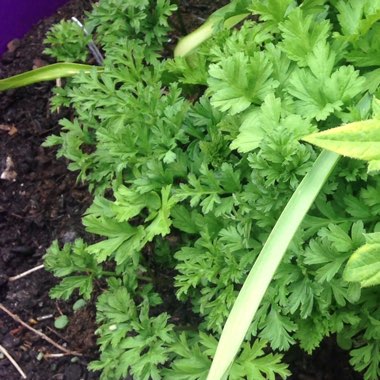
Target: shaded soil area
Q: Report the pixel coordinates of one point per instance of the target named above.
(40, 201)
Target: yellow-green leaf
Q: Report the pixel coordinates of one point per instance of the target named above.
(364, 266)
(359, 140)
(46, 73)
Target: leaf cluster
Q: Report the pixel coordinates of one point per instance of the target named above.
(187, 188)
(66, 41)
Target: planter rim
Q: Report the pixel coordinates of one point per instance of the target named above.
(21, 15)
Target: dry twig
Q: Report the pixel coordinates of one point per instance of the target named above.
(8, 355)
(14, 278)
(39, 333)
(48, 356)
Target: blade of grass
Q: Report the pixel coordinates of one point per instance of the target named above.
(50, 72)
(262, 272)
(231, 16)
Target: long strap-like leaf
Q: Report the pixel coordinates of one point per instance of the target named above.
(227, 16)
(261, 274)
(50, 72)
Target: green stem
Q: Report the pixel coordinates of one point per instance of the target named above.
(50, 72)
(262, 272)
(187, 44)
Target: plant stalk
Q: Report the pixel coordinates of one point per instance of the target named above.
(190, 42)
(46, 73)
(262, 272)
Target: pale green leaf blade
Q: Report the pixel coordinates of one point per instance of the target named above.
(46, 73)
(226, 17)
(364, 266)
(262, 272)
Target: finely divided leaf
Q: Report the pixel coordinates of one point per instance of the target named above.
(257, 123)
(321, 60)
(253, 363)
(67, 286)
(161, 221)
(272, 11)
(238, 81)
(357, 17)
(129, 203)
(344, 84)
(350, 15)
(310, 94)
(278, 330)
(301, 34)
(319, 89)
(367, 359)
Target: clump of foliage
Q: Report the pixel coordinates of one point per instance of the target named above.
(188, 188)
(66, 41)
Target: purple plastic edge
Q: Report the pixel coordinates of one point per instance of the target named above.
(18, 16)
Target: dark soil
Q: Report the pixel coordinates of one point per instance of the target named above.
(41, 201)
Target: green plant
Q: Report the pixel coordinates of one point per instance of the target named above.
(67, 42)
(359, 140)
(61, 322)
(144, 21)
(189, 184)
